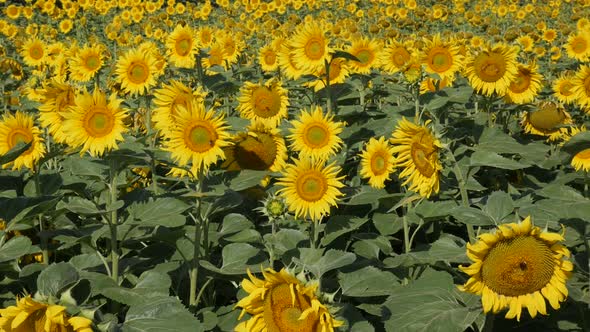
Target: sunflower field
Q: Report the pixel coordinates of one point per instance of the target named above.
(291, 165)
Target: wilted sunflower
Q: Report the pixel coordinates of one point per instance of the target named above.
(493, 69)
(578, 46)
(441, 57)
(315, 135)
(367, 51)
(309, 47)
(563, 88)
(377, 162)
(57, 98)
(310, 187)
(136, 71)
(34, 52)
(30, 315)
(281, 302)
(396, 56)
(182, 46)
(519, 266)
(259, 148)
(548, 120)
(417, 152)
(95, 123)
(526, 84)
(19, 128)
(198, 137)
(86, 63)
(168, 99)
(264, 102)
(582, 86)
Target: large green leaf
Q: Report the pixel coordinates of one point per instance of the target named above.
(160, 314)
(368, 281)
(237, 258)
(318, 263)
(15, 248)
(165, 211)
(56, 278)
(491, 159)
(499, 206)
(14, 153)
(429, 304)
(339, 225)
(472, 216)
(151, 284)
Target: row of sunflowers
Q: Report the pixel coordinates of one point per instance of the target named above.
(287, 165)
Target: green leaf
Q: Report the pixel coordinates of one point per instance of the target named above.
(577, 143)
(286, 240)
(472, 216)
(234, 223)
(56, 278)
(151, 284)
(344, 55)
(460, 95)
(165, 211)
(437, 102)
(237, 257)
(247, 179)
(15, 248)
(368, 281)
(491, 159)
(448, 249)
(434, 298)
(387, 224)
(331, 260)
(160, 314)
(79, 205)
(339, 225)
(434, 210)
(14, 153)
(499, 206)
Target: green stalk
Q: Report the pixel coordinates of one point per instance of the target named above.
(464, 195)
(194, 273)
(148, 126)
(44, 242)
(406, 234)
(328, 90)
(113, 222)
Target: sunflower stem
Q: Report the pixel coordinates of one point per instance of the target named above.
(113, 222)
(328, 90)
(464, 194)
(586, 180)
(197, 243)
(148, 126)
(407, 247)
(44, 241)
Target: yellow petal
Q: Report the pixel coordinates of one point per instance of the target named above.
(551, 237)
(551, 295)
(531, 305)
(78, 322)
(487, 299)
(560, 286)
(540, 302)
(514, 308)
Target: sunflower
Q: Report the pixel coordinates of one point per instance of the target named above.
(86, 63)
(430, 84)
(578, 46)
(526, 85)
(135, 71)
(168, 99)
(582, 86)
(198, 138)
(315, 135)
(441, 57)
(281, 302)
(259, 148)
(34, 52)
(548, 120)
(264, 102)
(182, 46)
(19, 128)
(205, 36)
(417, 152)
(57, 98)
(232, 45)
(396, 56)
(377, 162)
(493, 69)
(268, 58)
(30, 315)
(287, 64)
(338, 74)
(95, 123)
(519, 266)
(526, 42)
(309, 47)
(563, 88)
(215, 57)
(310, 187)
(367, 51)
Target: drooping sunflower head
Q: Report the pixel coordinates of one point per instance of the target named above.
(563, 88)
(34, 52)
(20, 128)
(281, 302)
(86, 63)
(310, 187)
(377, 162)
(259, 148)
(493, 69)
(136, 71)
(519, 266)
(57, 98)
(182, 46)
(526, 84)
(198, 138)
(417, 152)
(315, 135)
(367, 51)
(95, 122)
(310, 47)
(548, 120)
(441, 57)
(266, 102)
(31, 315)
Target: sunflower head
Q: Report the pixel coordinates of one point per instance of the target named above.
(136, 71)
(377, 162)
(548, 120)
(281, 302)
(266, 103)
(309, 47)
(20, 128)
(519, 266)
(492, 69)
